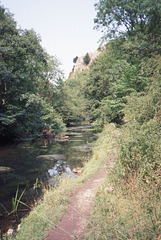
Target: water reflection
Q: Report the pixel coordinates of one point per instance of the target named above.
(25, 164)
(60, 169)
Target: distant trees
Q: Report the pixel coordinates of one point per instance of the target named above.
(28, 81)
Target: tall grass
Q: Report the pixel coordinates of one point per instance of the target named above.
(15, 202)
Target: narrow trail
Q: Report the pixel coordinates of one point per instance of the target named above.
(75, 221)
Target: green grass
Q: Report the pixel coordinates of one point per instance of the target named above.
(120, 215)
(15, 202)
(54, 204)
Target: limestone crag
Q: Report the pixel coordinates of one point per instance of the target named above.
(80, 64)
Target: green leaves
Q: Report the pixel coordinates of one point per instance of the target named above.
(29, 80)
(132, 17)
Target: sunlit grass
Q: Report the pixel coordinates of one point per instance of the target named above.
(120, 215)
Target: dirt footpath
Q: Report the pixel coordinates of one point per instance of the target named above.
(75, 221)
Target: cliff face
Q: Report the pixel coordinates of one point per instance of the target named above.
(84, 62)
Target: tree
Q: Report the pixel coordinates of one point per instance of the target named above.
(75, 59)
(86, 59)
(29, 81)
(136, 16)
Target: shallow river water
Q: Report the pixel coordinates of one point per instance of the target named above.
(39, 162)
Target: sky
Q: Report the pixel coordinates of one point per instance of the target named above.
(65, 26)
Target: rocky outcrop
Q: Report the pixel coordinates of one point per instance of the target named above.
(80, 63)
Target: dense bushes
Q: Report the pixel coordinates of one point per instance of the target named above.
(140, 144)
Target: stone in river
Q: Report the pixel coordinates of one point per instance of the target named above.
(83, 148)
(53, 157)
(5, 169)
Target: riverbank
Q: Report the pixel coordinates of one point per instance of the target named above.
(35, 164)
(54, 204)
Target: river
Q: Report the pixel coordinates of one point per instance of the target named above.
(39, 162)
